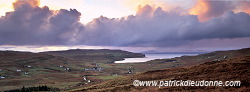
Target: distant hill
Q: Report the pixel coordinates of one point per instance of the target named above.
(13, 55)
(158, 52)
(20, 59)
(95, 54)
(234, 68)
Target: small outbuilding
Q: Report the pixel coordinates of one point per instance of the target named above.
(18, 70)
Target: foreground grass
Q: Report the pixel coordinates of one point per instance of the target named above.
(226, 70)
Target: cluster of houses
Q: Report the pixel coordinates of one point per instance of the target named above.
(17, 70)
(86, 80)
(94, 69)
(170, 60)
(26, 73)
(66, 68)
(222, 58)
(86, 69)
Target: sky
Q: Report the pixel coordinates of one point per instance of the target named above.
(133, 25)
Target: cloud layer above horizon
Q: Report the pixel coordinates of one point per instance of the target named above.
(210, 21)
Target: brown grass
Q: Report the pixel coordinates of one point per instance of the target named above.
(226, 70)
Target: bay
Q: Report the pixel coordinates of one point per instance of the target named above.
(149, 57)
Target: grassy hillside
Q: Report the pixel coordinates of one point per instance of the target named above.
(233, 69)
(60, 69)
(85, 69)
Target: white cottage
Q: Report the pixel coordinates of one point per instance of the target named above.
(2, 77)
(26, 73)
(18, 70)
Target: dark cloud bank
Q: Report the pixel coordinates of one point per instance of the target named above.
(33, 25)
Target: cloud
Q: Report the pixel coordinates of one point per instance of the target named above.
(149, 27)
(207, 9)
(156, 27)
(21, 3)
(33, 25)
(245, 6)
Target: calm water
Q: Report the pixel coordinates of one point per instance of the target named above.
(152, 57)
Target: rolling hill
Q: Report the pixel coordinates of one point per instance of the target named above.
(236, 68)
(60, 69)
(95, 54)
(94, 70)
